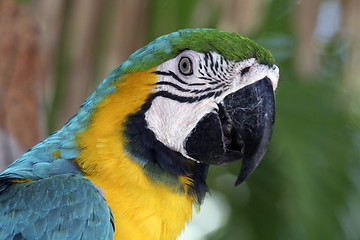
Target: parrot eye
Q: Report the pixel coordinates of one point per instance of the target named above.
(185, 66)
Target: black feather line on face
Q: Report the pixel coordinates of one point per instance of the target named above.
(176, 77)
(183, 99)
(174, 86)
(206, 58)
(172, 74)
(142, 144)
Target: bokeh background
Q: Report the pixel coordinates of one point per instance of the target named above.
(53, 53)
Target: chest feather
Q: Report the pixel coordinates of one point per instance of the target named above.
(142, 209)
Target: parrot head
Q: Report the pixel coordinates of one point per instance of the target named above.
(212, 102)
(188, 100)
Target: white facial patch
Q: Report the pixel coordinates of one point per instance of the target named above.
(172, 121)
(255, 73)
(187, 98)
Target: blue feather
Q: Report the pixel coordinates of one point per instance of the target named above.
(77, 210)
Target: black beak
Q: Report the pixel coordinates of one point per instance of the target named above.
(251, 111)
(241, 129)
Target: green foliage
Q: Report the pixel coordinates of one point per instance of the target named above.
(307, 186)
(169, 16)
(62, 74)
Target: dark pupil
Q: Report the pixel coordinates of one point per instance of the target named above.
(185, 66)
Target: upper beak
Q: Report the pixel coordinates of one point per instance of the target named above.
(251, 110)
(241, 129)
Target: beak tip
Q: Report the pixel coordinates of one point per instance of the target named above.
(238, 181)
(244, 173)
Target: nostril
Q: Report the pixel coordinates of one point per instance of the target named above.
(275, 68)
(245, 70)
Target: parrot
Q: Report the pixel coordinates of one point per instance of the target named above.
(132, 163)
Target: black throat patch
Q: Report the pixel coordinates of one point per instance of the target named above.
(160, 163)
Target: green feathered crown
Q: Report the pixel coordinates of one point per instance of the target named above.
(232, 46)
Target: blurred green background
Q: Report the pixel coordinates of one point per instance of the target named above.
(308, 185)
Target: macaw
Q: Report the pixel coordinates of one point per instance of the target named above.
(132, 163)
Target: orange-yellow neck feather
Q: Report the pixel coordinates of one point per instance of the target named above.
(141, 208)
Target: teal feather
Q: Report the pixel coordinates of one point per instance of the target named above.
(53, 208)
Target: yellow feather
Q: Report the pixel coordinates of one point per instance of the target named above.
(22, 180)
(56, 154)
(142, 210)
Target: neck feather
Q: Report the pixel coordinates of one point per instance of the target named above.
(144, 193)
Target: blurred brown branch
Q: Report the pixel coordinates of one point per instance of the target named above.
(81, 36)
(351, 32)
(21, 81)
(92, 38)
(307, 58)
(241, 16)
